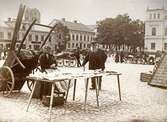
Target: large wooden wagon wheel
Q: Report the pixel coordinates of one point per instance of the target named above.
(7, 80)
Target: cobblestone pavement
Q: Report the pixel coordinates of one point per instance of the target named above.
(140, 102)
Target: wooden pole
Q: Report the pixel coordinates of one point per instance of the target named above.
(48, 36)
(17, 26)
(24, 38)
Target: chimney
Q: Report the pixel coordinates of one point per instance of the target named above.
(75, 21)
(63, 19)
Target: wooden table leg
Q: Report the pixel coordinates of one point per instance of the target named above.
(86, 92)
(119, 88)
(51, 99)
(32, 92)
(97, 90)
(68, 87)
(75, 81)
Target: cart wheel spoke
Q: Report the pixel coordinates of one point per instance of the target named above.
(10, 83)
(9, 87)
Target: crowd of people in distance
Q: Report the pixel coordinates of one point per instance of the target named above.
(136, 58)
(3, 53)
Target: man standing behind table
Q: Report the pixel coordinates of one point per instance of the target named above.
(96, 58)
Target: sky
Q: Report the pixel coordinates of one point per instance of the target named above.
(84, 11)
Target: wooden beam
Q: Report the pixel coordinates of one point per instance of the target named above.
(43, 25)
(48, 36)
(17, 26)
(24, 38)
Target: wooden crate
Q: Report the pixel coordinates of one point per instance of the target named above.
(145, 77)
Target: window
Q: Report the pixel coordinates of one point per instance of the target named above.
(42, 37)
(153, 31)
(165, 31)
(76, 44)
(68, 45)
(92, 38)
(152, 46)
(1, 35)
(81, 45)
(87, 38)
(72, 45)
(158, 16)
(84, 38)
(73, 37)
(30, 37)
(84, 45)
(80, 37)
(9, 35)
(154, 15)
(77, 37)
(36, 38)
(165, 46)
(150, 16)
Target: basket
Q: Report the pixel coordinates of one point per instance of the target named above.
(145, 77)
(57, 101)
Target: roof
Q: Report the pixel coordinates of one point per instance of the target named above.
(40, 28)
(156, 9)
(92, 27)
(72, 25)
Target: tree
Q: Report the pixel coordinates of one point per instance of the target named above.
(121, 32)
(62, 33)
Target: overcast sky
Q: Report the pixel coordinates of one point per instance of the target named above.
(84, 11)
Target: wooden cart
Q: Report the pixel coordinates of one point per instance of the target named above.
(21, 62)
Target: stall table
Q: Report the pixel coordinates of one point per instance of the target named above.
(87, 75)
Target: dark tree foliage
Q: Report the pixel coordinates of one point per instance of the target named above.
(62, 33)
(121, 31)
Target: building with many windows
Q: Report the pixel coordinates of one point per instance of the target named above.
(156, 30)
(35, 37)
(81, 35)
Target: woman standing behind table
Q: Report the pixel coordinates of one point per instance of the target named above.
(46, 61)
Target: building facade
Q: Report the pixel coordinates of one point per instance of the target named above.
(156, 30)
(81, 35)
(35, 37)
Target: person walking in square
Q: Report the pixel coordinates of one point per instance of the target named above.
(77, 56)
